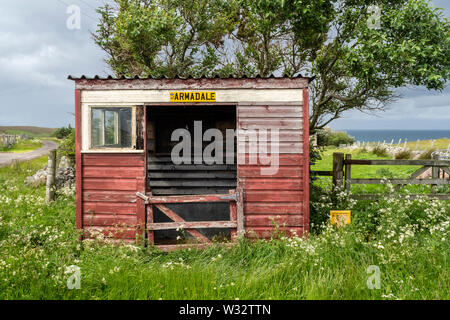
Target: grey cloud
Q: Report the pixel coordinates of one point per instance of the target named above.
(37, 52)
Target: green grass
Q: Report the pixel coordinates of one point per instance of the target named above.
(370, 172)
(38, 242)
(426, 144)
(23, 146)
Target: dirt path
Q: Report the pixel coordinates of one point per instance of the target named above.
(7, 158)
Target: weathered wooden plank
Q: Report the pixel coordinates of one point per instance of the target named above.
(273, 196)
(192, 175)
(123, 221)
(269, 232)
(233, 214)
(254, 171)
(282, 147)
(284, 135)
(273, 221)
(446, 170)
(240, 208)
(437, 163)
(176, 218)
(258, 123)
(224, 97)
(193, 183)
(277, 208)
(190, 167)
(271, 103)
(192, 225)
(191, 84)
(192, 246)
(290, 159)
(109, 196)
(111, 208)
(110, 184)
(114, 160)
(188, 191)
(150, 219)
(306, 161)
(419, 172)
(273, 184)
(190, 199)
(400, 181)
(113, 172)
(78, 162)
(269, 111)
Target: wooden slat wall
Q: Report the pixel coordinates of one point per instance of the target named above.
(280, 198)
(110, 182)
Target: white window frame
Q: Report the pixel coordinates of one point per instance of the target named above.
(107, 149)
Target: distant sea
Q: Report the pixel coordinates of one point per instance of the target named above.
(388, 135)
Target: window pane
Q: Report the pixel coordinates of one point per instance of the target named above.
(111, 128)
(126, 125)
(96, 125)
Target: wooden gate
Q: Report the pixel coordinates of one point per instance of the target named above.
(236, 222)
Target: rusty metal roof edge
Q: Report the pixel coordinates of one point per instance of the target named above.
(216, 76)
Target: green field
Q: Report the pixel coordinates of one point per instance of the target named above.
(32, 132)
(406, 239)
(23, 146)
(372, 171)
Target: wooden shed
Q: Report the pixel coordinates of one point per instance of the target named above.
(182, 160)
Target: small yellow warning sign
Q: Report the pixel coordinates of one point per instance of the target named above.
(340, 217)
(194, 96)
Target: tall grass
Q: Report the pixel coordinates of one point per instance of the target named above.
(407, 239)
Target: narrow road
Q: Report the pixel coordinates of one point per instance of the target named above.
(7, 158)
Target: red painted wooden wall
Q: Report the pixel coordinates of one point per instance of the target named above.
(110, 183)
(280, 199)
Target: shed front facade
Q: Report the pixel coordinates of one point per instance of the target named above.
(204, 158)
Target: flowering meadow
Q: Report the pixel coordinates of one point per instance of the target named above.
(405, 241)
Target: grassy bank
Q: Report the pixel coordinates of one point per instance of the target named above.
(407, 240)
(23, 146)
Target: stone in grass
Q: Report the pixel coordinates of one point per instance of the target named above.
(65, 175)
(37, 179)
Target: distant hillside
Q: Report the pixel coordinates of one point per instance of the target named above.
(31, 131)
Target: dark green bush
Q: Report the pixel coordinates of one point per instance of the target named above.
(380, 151)
(404, 154)
(67, 147)
(426, 154)
(63, 132)
(333, 138)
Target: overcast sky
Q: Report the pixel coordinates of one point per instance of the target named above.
(38, 51)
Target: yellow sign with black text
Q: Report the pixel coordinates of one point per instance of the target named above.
(194, 96)
(340, 217)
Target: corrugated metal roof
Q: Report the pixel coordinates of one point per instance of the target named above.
(230, 76)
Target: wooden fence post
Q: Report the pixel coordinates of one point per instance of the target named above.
(51, 173)
(348, 172)
(434, 175)
(338, 169)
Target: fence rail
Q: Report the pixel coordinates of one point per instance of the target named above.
(342, 174)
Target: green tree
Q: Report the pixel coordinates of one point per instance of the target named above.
(355, 63)
(63, 132)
